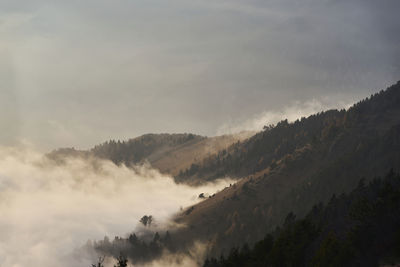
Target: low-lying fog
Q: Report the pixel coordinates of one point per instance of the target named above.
(49, 211)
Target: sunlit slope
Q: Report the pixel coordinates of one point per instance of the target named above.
(169, 153)
(178, 158)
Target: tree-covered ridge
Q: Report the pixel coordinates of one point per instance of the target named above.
(358, 229)
(290, 167)
(326, 154)
(169, 153)
(137, 149)
(370, 117)
(137, 249)
(131, 151)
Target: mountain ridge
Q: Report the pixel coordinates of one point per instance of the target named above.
(316, 157)
(169, 153)
(287, 168)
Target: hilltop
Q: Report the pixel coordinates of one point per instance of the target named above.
(169, 153)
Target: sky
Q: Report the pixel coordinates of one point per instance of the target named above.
(77, 73)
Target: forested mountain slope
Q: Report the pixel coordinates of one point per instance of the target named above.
(359, 229)
(169, 153)
(290, 167)
(337, 132)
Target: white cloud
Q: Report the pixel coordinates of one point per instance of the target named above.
(48, 210)
(295, 111)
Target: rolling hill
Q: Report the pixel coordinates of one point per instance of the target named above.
(169, 153)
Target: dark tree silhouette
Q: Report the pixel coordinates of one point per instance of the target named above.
(122, 261)
(99, 262)
(146, 220)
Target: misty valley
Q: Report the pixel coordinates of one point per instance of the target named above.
(200, 133)
(323, 190)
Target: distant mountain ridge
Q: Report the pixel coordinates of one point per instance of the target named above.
(169, 153)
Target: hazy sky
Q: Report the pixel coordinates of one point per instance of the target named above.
(75, 73)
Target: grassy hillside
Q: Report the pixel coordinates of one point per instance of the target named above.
(169, 153)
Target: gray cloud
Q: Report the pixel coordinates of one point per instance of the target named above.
(86, 71)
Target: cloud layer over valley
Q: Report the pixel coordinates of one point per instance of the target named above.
(49, 210)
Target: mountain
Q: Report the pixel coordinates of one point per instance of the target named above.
(329, 130)
(359, 229)
(286, 169)
(169, 153)
(290, 167)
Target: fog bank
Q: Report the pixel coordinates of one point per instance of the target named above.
(49, 211)
(296, 110)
